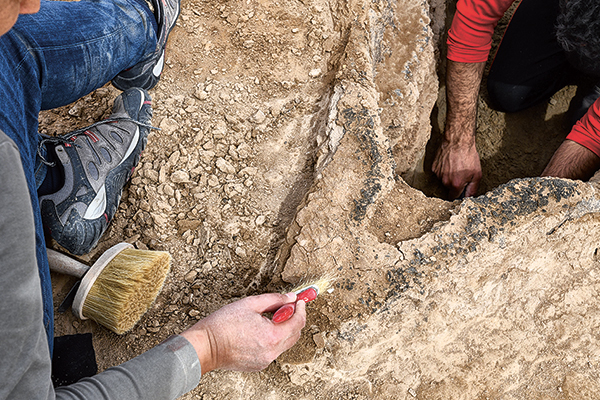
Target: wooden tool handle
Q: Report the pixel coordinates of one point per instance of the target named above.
(64, 264)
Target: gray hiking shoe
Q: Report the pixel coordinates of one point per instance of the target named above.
(146, 74)
(97, 162)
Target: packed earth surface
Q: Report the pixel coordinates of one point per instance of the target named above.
(293, 145)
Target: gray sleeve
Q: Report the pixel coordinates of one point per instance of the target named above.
(24, 353)
(165, 372)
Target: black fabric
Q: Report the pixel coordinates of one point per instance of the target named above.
(55, 176)
(73, 359)
(530, 65)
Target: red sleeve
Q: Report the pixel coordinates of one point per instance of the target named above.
(586, 131)
(470, 36)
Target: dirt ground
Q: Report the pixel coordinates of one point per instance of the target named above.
(237, 175)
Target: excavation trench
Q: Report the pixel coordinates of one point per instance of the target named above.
(291, 131)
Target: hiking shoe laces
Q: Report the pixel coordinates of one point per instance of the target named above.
(97, 162)
(146, 74)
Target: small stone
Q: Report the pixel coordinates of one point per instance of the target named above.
(259, 117)
(174, 157)
(243, 150)
(151, 174)
(191, 276)
(412, 392)
(314, 72)
(319, 340)
(225, 166)
(194, 313)
(159, 219)
(207, 156)
(168, 125)
(213, 181)
(260, 220)
(207, 266)
(75, 111)
(180, 176)
(162, 175)
(240, 251)
(169, 191)
(251, 171)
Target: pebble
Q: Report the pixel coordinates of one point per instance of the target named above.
(159, 219)
(151, 174)
(180, 176)
(225, 166)
(169, 191)
(213, 181)
(243, 150)
(260, 220)
(162, 175)
(258, 117)
(168, 125)
(249, 171)
(319, 340)
(174, 157)
(314, 72)
(75, 111)
(191, 276)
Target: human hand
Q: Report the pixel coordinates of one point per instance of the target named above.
(459, 168)
(239, 337)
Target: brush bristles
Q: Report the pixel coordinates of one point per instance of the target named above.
(322, 284)
(126, 288)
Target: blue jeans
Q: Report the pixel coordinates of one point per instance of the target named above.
(53, 58)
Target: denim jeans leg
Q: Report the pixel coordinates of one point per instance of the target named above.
(82, 45)
(51, 59)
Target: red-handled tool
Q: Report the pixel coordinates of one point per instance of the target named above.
(286, 311)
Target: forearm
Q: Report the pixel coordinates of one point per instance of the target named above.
(462, 90)
(572, 161)
(166, 371)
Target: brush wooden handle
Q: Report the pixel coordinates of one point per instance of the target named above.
(64, 264)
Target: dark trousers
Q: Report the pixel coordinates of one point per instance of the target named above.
(530, 65)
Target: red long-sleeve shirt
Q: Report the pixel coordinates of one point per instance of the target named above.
(470, 40)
